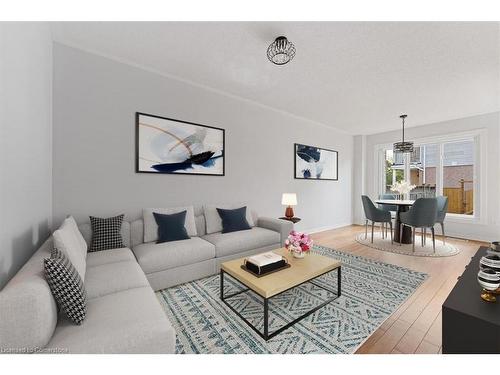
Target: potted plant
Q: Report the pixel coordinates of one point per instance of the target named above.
(298, 244)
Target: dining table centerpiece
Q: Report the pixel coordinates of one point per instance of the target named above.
(403, 189)
(298, 244)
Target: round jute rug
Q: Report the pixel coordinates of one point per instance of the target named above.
(384, 244)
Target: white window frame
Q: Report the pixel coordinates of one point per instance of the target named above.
(479, 136)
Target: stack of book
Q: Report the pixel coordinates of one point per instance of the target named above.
(261, 264)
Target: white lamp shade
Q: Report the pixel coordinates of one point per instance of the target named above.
(289, 199)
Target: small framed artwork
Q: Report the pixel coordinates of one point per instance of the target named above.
(315, 163)
(165, 145)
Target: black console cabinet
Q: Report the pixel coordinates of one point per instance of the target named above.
(470, 325)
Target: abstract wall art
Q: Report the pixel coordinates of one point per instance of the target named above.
(165, 145)
(315, 163)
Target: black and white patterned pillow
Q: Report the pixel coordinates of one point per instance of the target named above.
(66, 286)
(106, 233)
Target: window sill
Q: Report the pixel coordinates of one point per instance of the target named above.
(457, 218)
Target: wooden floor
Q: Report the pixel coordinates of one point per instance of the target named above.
(416, 326)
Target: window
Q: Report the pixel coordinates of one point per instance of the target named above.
(458, 176)
(430, 165)
(445, 167)
(394, 171)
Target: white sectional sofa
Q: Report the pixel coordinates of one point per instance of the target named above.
(123, 314)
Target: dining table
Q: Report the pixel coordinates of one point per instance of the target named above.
(402, 205)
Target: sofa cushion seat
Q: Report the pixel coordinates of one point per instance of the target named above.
(114, 277)
(237, 242)
(98, 258)
(154, 257)
(130, 321)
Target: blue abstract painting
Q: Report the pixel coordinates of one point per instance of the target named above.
(315, 163)
(166, 145)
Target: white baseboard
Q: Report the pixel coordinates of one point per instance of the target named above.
(462, 236)
(329, 227)
(467, 236)
(459, 235)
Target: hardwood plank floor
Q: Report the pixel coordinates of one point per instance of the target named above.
(415, 327)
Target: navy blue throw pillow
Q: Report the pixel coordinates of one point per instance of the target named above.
(171, 227)
(234, 220)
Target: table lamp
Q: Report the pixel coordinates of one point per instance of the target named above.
(289, 200)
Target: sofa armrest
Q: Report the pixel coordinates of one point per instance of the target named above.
(283, 227)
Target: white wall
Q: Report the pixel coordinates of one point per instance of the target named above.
(95, 99)
(359, 178)
(25, 142)
(488, 230)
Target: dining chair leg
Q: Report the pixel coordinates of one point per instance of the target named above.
(433, 240)
(382, 230)
(366, 229)
(373, 224)
(400, 234)
(442, 231)
(390, 224)
(422, 236)
(425, 236)
(413, 239)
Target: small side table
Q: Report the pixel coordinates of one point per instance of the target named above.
(292, 219)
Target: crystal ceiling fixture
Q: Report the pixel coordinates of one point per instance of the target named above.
(403, 147)
(281, 51)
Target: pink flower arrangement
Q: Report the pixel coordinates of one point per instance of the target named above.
(298, 241)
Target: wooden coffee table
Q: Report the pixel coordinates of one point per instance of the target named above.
(301, 271)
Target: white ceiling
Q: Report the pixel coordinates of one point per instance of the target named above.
(356, 77)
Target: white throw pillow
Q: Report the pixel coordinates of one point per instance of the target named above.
(151, 228)
(67, 241)
(213, 220)
(83, 244)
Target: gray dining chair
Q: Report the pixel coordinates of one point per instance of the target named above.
(391, 208)
(442, 208)
(375, 215)
(387, 207)
(422, 214)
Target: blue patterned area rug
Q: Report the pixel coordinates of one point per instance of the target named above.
(371, 292)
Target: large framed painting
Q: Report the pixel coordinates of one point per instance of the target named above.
(315, 163)
(165, 145)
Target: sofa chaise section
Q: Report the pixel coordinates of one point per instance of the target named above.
(123, 313)
(130, 321)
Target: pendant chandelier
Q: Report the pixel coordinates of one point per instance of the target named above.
(281, 51)
(403, 147)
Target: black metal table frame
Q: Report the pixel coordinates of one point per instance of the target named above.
(266, 335)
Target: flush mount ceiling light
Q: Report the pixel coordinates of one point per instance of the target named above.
(403, 147)
(281, 51)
